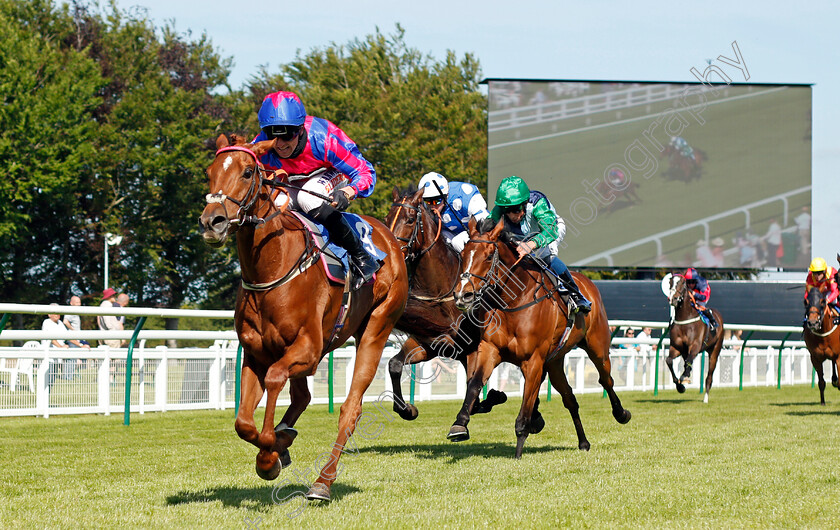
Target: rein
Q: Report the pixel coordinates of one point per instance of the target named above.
(310, 253)
(825, 310)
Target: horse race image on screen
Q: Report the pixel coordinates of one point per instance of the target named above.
(662, 174)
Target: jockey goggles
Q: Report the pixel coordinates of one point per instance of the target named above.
(433, 201)
(516, 208)
(284, 132)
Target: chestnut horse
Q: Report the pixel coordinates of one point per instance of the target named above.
(822, 337)
(287, 313)
(689, 335)
(430, 318)
(526, 323)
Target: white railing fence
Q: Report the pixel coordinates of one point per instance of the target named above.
(39, 379)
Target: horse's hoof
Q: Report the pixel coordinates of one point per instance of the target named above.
(272, 472)
(681, 388)
(622, 416)
(706, 397)
(318, 492)
(537, 423)
(496, 397)
(285, 458)
(584, 446)
(458, 433)
(408, 413)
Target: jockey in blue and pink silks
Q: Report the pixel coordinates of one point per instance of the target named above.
(700, 291)
(319, 157)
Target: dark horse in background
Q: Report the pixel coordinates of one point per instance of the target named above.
(689, 335)
(287, 313)
(822, 337)
(434, 325)
(683, 167)
(527, 323)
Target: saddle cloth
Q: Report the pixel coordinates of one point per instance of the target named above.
(334, 258)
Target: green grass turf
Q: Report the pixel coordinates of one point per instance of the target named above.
(757, 148)
(759, 458)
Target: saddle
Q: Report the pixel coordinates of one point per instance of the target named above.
(335, 259)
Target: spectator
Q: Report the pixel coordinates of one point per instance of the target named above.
(644, 349)
(773, 242)
(53, 324)
(122, 301)
(717, 252)
(109, 322)
(803, 229)
(704, 254)
(73, 323)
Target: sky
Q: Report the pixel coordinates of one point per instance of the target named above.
(780, 42)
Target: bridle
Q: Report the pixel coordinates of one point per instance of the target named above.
(246, 203)
(259, 178)
(468, 276)
(407, 248)
(814, 326)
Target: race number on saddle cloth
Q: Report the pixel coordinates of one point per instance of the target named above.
(334, 258)
(321, 162)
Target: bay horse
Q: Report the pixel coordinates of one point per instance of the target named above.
(527, 323)
(689, 335)
(434, 325)
(822, 337)
(287, 313)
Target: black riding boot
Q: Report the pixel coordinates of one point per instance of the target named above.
(584, 305)
(341, 234)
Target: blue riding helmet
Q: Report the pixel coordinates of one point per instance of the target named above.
(281, 108)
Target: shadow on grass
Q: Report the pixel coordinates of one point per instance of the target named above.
(453, 452)
(256, 498)
(674, 401)
(813, 413)
(796, 404)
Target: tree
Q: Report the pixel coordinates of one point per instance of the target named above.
(49, 94)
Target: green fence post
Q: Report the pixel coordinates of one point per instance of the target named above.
(3, 321)
(237, 390)
(702, 369)
(813, 375)
(128, 363)
(656, 370)
(779, 369)
(411, 384)
(484, 393)
(330, 389)
(741, 364)
(548, 389)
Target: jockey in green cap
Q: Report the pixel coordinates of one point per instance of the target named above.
(531, 216)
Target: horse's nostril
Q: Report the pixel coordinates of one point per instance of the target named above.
(218, 222)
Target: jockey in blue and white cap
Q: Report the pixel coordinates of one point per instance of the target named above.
(462, 201)
(321, 158)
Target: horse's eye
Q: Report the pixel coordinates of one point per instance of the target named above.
(409, 220)
(249, 171)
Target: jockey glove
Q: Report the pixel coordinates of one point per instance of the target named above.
(340, 199)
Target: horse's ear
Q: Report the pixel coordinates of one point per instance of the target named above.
(472, 225)
(238, 140)
(261, 148)
(418, 195)
(222, 141)
(838, 258)
(396, 194)
(494, 234)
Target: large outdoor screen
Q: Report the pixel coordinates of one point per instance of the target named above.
(662, 174)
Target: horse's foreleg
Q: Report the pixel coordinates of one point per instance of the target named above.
(284, 431)
(672, 354)
(268, 459)
(251, 391)
(834, 369)
(818, 367)
(410, 353)
(480, 366)
(557, 378)
(600, 357)
(368, 354)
